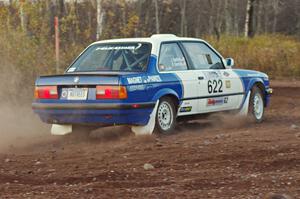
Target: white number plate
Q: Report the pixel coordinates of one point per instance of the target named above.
(77, 93)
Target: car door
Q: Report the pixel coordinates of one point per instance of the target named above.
(172, 61)
(220, 88)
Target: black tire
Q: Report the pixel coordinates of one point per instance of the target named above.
(256, 105)
(165, 121)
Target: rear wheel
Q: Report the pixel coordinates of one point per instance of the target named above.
(165, 116)
(256, 105)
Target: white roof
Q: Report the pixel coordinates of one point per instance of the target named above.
(156, 38)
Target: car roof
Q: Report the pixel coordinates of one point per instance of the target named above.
(156, 38)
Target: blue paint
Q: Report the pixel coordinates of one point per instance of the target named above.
(112, 79)
(250, 78)
(151, 87)
(132, 116)
(142, 87)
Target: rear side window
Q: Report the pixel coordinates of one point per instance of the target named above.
(171, 58)
(202, 56)
(113, 57)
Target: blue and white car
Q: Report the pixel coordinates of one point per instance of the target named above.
(149, 84)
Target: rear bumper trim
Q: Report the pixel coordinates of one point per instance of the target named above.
(91, 106)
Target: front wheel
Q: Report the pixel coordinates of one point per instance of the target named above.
(165, 116)
(256, 105)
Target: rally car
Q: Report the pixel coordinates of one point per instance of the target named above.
(148, 84)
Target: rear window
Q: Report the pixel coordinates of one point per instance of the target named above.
(113, 57)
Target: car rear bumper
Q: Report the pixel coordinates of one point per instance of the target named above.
(90, 106)
(94, 113)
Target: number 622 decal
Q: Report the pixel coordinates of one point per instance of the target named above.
(215, 86)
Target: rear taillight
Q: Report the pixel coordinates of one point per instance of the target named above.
(46, 92)
(111, 92)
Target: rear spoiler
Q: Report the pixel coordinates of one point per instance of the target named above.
(100, 73)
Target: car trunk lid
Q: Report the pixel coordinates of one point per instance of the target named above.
(79, 79)
(77, 86)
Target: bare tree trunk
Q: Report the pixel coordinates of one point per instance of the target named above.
(140, 29)
(236, 18)
(197, 29)
(156, 17)
(211, 19)
(276, 11)
(124, 17)
(183, 18)
(10, 13)
(90, 16)
(298, 22)
(74, 26)
(259, 16)
(249, 22)
(228, 19)
(246, 33)
(266, 16)
(23, 17)
(100, 15)
(218, 21)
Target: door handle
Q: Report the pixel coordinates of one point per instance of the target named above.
(200, 78)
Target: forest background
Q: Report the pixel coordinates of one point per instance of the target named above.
(259, 34)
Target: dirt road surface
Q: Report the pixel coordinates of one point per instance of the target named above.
(218, 159)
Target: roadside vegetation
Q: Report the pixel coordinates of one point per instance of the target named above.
(27, 45)
(24, 58)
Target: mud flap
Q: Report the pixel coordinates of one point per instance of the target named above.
(61, 129)
(147, 129)
(245, 107)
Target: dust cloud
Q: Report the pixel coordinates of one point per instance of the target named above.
(229, 120)
(19, 126)
(215, 121)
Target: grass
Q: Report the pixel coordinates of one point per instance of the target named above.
(23, 58)
(277, 55)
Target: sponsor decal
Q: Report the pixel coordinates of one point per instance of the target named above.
(71, 69)
(134, 80)
(212, 75)
(122, 47)
(185, 109)
(178, 62)
(76, 80)
(145, 79)
(152, 78)
(209, 60)
(228, 83)
(226, 74)
(136, 87)
(217, 101)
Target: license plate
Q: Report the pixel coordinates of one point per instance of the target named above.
(75, 93)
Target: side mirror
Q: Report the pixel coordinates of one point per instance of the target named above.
(229, 62)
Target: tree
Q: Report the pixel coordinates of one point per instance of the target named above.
(275, 5)
(100, 15)
(156, 17)
(249, 21)
(183, 25)
(228, 18)
(23, 17)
